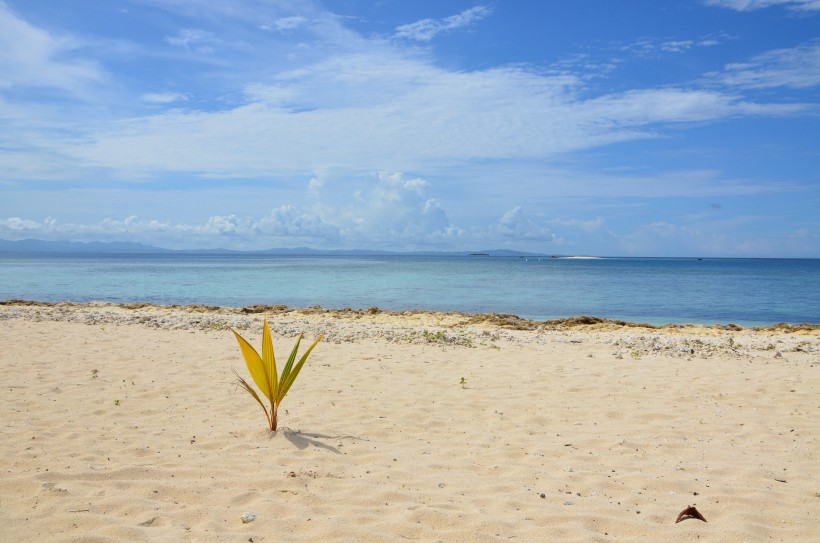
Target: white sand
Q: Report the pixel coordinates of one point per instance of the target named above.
(119, 431)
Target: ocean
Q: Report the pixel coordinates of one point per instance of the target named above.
(747, 292)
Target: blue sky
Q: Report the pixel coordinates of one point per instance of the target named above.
(637, 128)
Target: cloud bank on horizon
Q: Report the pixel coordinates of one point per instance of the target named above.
(639, 129)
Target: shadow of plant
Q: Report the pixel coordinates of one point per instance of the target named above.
(302, 440)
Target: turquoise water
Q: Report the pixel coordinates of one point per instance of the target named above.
(748, 292)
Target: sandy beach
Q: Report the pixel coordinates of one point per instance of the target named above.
(124, 423)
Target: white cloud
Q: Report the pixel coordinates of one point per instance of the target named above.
(289, 222)
(397, 113)
(640, 108)
(16, 224)
(283, 225)
(196, 40)
(289, 140)
(750, 5)
(388, 210)
(384, 109)
(646, 47)
(427, 29)
(392, 209)
(315, 186)
(32, 57)
(677, 46)
(164, 97)
(797, 67)
(230, 21)
(516, 225)
(220, 225)
(286, 23)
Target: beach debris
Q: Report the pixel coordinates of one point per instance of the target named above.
(263, 372)
(247, 517)
(690, 512)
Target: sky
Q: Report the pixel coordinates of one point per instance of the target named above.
(591, 127)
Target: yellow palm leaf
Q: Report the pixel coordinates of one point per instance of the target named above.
(269, 361)
(264, 373)
(255, 365)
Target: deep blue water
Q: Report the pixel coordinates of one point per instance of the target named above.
(748, 292)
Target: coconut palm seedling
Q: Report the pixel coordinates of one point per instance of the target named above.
(263, 372)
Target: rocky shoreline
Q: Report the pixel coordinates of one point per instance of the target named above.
(442, 328)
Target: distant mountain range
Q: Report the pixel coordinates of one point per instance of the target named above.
(127, 247)
(41, 246)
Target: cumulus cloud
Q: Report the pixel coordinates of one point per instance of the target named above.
(515, 224)
(285, 224)
(14, 225)
(220, 226)
(289, 222)
(388, 210)
(392, 208)
(427, 29)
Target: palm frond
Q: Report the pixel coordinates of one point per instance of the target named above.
(284, 387)
(244, 384)
(263, 372)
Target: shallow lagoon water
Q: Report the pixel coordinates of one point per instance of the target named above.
(748, 292)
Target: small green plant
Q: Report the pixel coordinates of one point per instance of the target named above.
(430, 336)
(263, 372)
(116, 402)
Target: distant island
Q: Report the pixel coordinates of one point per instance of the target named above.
(127, 247)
